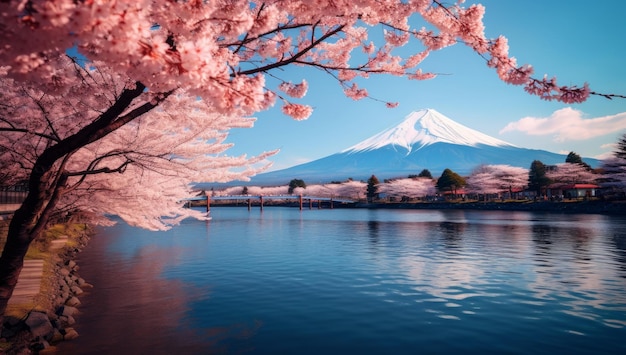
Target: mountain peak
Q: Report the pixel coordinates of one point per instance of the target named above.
(425, 127)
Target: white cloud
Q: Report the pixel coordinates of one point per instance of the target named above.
(604, 155)
(568, 124)
(610, 148)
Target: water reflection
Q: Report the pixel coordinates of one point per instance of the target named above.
(490, 260)
(373, 228)
(452, 233)
(571, 269)
(617, 235)
(132, 303)
(364, 281)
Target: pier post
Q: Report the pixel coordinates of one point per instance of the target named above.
(208, 204)
(300, 198)
(249, 204)
(331, 203)
(261, 199)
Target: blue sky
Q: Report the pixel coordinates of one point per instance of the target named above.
(577, 41)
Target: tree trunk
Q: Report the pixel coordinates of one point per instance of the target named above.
(19, 238)
(11, 264)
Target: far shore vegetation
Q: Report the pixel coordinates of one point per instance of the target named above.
(568, 182)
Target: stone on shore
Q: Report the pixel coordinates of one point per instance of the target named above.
(39, 324)
(72, 301)
(67, 311)
(70, 334)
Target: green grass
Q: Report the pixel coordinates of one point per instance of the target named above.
(39, 247)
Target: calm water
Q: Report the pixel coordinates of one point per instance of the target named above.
(285, 281)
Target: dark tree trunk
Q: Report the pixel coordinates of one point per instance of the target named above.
(45, 187)
(12, 261)
(19, 237)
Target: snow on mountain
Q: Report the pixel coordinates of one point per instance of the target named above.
(426, 127)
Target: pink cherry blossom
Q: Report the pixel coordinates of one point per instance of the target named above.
(296, 111)
(294, 90)
(355, 93)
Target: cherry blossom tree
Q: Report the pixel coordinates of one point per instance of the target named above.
(564, 175)
(496, 179)
(350, 189)
(408, 188)
(568, 173)
(84, 150)
(233, 191)
(321, 190)
(481, 181)
(268, 191)
(221, 53)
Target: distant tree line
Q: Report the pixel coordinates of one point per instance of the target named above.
(483, 181)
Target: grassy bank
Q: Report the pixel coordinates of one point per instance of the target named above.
(40, 249)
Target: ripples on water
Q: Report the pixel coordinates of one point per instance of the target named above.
(358, 281)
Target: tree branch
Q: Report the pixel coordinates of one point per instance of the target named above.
(293, 58)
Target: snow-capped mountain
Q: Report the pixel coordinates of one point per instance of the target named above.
(423, 128)
(426, 139)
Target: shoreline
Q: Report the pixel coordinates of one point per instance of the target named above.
(573, 207)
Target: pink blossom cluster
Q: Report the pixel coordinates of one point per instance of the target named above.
(355, 93)
(547, 89)
(163, 151)
(570, 173)
(294, 90)
(495, 179)
(297, 111)
(408, 187)
(221, 51)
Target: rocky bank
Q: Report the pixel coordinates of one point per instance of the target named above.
(51, 322)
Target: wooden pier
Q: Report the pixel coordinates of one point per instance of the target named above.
(302, 199)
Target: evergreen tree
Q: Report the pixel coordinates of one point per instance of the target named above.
(450, 181)
(613, 178)
(574, 158)
(621, 147)
(537, 178)
(296, 183)
(426, 174)
(372, 188)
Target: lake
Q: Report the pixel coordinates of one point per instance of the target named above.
(337, 281)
